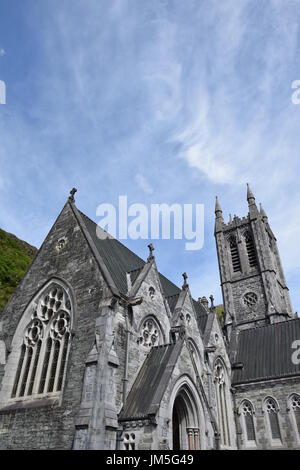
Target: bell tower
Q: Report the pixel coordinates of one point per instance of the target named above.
(252, 280)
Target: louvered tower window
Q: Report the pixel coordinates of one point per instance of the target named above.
(250, 250)
(248, 412)
(295, 405)
(272, 412)
(46, 342)
(235, 257)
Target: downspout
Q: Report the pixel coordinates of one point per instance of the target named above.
(125, 377)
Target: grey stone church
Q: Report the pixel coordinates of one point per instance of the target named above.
(101, 351)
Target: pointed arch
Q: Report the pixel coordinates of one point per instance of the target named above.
(294, 408)
(187, 414)
(248, 425)
(41, 345)
(271, 410)
(150, 332)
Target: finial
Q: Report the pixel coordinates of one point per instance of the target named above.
(230, 218)
(72, 194)
(250, 196)
(185, 284)
(151, 249)
(211, 297)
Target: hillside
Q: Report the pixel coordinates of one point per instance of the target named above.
(15, 258)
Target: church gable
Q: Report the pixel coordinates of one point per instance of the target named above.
(65, 262)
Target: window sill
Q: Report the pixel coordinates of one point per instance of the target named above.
(31, 402)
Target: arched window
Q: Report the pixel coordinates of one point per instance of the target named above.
(295, 407)
(220, 379)
(250, 249)
(247, 413)
(272, 410)
(150, 332)
(235, 257)
(45, 345)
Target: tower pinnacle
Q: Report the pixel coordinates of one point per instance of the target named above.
(218, 210)
(250, 196)
(262, 212)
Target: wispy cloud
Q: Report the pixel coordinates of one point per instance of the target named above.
(184, 99)
(143, 184)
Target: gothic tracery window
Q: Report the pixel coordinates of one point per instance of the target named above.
(235, 257)
(45, 347)
(222, 405)
(295, 406)
(149, 333)
(247, 413)
(272, 411)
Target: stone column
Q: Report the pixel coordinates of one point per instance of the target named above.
(196, 439)
(190, 433)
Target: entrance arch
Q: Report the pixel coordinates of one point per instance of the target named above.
(186, 409)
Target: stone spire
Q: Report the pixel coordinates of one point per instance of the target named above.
(251, 203)
(250, 196)
(219, 217)
(218, 210)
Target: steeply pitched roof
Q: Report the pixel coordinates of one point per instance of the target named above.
(119, 260)
(266, 352)
(117, 257)
(148, 389)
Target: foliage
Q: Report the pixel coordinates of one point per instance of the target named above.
(15, 258)
(220, 311)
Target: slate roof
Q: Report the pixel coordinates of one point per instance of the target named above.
(148, 389)
(119, 260)
(266, 352)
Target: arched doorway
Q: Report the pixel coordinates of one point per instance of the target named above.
(185, 422)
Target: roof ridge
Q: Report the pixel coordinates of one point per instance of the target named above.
(270, 325)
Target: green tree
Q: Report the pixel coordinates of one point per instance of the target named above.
(15, 258)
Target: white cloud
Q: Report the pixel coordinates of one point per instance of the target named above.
(2, 52)
(143, 184)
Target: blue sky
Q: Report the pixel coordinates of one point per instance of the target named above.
(163, 101)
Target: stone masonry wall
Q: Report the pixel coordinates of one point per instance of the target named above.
(281, 390)
(44, 427)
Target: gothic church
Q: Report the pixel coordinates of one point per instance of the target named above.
(101, 351)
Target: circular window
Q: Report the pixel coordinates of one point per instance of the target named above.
(151, 292)
(149, 333)
(250, 299)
